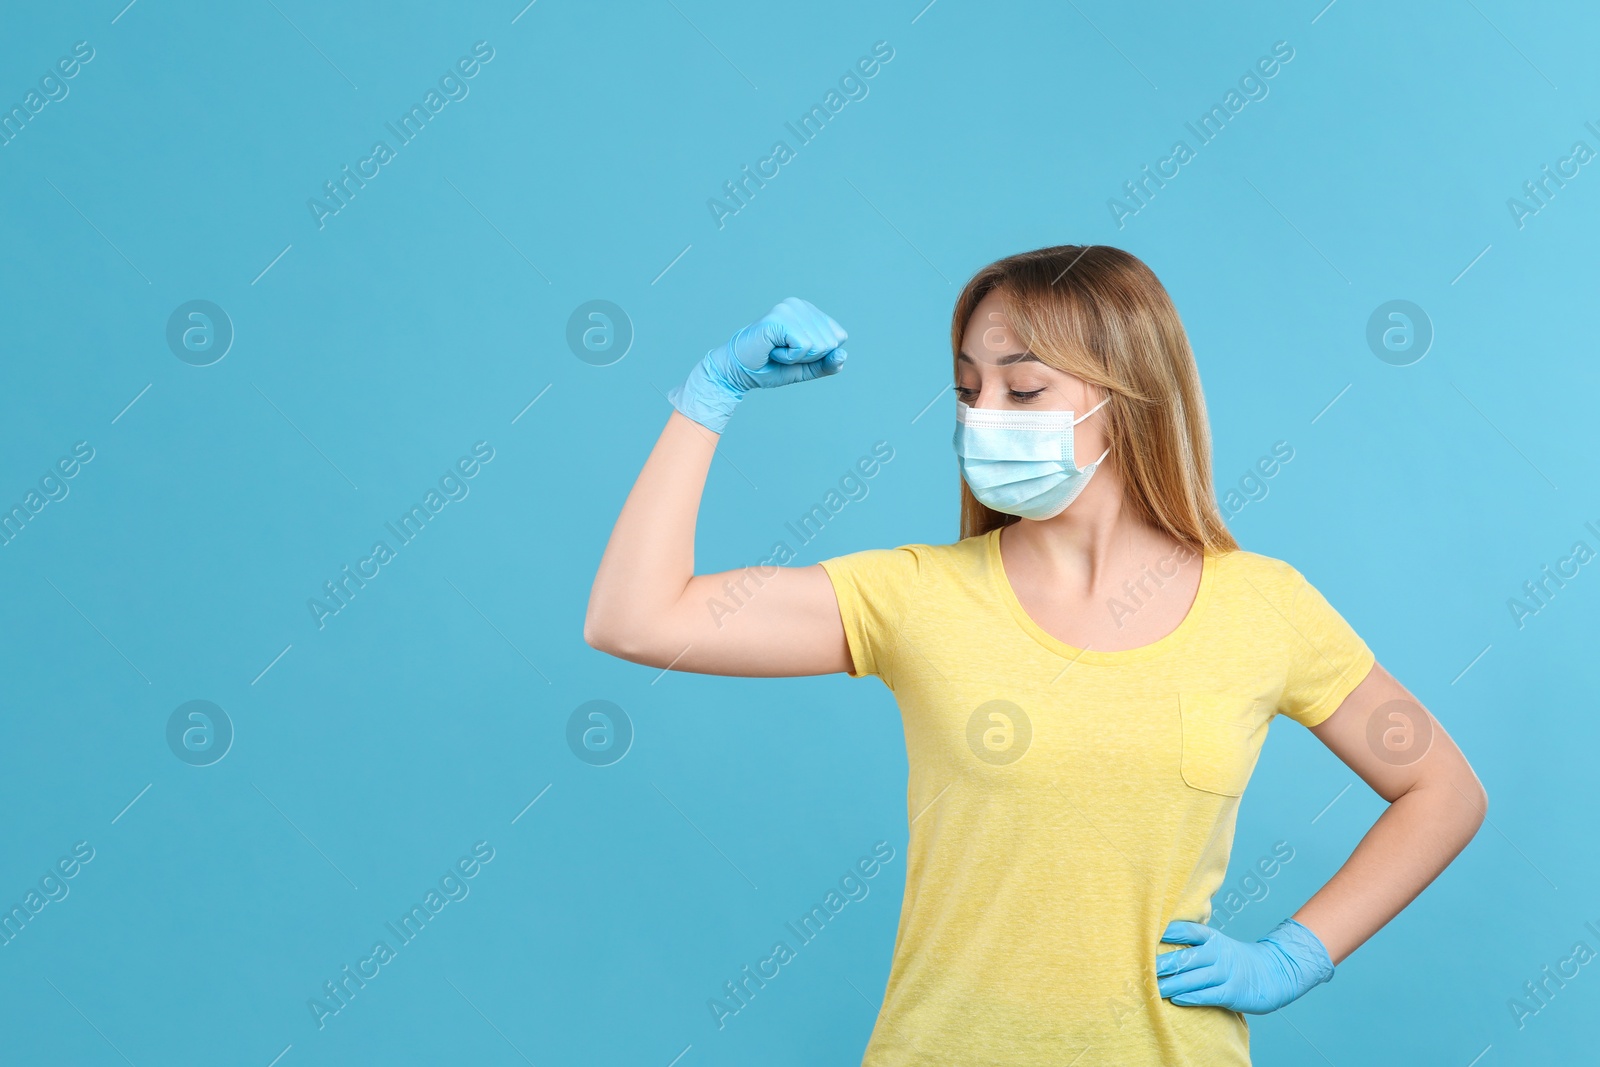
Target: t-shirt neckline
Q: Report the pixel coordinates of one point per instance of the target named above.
(1003, 588)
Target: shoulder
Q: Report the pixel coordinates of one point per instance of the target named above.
(916, 557)
(916, 564)
(1254, 574)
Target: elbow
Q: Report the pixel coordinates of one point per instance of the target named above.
(600, 624)
(1472, 788)
(599, 636)
(612, 639)
(592, 636)
(1477, 798)
(624, 628)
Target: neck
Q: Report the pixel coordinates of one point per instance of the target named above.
(1095, 536)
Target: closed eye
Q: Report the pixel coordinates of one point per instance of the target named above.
(1021, 396)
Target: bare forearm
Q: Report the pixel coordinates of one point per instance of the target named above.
(649, 559)
(1411, 843)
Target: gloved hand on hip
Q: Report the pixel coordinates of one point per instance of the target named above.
(1254, 977)
(794, 342)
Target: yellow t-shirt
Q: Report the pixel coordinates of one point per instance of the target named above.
(1067, 804)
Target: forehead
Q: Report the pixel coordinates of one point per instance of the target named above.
(989, 337)
(989, 312)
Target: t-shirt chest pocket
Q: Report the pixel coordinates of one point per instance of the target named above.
(1221, 740)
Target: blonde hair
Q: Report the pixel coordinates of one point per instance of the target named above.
(1099, 313)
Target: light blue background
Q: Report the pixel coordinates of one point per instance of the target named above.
(432, 309)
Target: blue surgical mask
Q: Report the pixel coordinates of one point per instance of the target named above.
(1021, 462)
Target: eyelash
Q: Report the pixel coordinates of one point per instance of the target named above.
(1021, 397)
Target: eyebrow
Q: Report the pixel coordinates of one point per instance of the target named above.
(1005, 361)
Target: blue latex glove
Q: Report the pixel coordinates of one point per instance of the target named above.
(794, 342)
(1254, 977)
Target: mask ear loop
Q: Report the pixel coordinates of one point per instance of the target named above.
(1085, 415)
(1092, 410)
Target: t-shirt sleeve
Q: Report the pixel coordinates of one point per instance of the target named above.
(1327, 658)
(874, 589)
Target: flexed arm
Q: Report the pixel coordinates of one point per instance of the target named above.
(647, 605)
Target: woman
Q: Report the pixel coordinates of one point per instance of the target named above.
(1085, 678)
